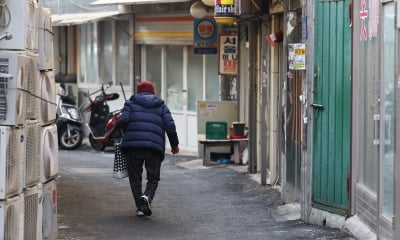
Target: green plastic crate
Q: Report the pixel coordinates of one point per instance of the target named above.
(216, 130)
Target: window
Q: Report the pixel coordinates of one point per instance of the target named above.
(195, 79)
(153, 66)
(174, 77)
(105, 39)
(105, 52)
(123, 52)
(176, 69)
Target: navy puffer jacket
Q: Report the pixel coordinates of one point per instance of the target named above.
(145, 119)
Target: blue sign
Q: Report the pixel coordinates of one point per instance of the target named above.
(205, 36)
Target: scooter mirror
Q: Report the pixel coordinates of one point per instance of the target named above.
(109, 84)
(85, 94)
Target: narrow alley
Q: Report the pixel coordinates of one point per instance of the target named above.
(192, 202)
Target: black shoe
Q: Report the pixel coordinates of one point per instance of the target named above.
(146, 207)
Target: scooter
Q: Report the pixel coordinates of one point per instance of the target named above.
(69, 121)
(103, 125)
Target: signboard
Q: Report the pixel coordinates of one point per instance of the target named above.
(227, 57)
(224, 11)
(297, 56)
(205, 36)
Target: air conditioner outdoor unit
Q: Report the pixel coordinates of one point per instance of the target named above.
(33, 95)
(11, 150)
(31, 166)
(48, 106)
(46, 52)
(33, 213)
(49, 221)
(12, 218)
(13, 86)
(21, 20)
(48, 153)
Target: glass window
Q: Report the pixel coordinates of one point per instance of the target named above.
(92, 72)
(122, 52)
(195, 79)
(174, 77)
(387, 117)
(82, 52)
(89, 55)
(106, 56)
(153, 66)
(369, 74)
(105, 52)
(212, 78)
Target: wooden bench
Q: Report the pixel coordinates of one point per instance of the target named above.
(208, 143)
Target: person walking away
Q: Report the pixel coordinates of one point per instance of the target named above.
(145, 119)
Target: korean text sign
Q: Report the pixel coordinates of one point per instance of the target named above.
(227, 57)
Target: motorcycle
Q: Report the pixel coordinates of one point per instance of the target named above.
(103, 125)
(69, 121)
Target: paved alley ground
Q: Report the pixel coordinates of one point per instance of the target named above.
(192, 203)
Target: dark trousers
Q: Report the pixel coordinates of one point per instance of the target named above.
(151, 159)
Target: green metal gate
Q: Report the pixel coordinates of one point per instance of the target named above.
(332, 106)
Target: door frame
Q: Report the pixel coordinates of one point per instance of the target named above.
(328, 199)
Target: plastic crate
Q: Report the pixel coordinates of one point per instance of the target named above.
(216, 130)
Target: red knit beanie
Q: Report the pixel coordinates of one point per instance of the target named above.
(145, 86)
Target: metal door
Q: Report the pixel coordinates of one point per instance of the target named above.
(332, 101)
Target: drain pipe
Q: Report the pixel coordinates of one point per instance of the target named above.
(252, 133)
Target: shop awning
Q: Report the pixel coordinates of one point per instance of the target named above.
(132, 2)
(80, 18)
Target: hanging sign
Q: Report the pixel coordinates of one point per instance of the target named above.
(205, 36)
(227, 57)
(297, 56)
(224, 11)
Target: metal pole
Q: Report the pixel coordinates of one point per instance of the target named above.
(252, 27)
(265, 85)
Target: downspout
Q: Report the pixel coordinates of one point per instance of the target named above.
(274, 73)
(252, 133)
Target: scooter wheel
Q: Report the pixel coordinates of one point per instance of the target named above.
(71, 142)
(97, 146)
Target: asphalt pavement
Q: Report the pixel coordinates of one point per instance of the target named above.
(192, 203)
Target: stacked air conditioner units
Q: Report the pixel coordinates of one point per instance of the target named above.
(28, 133)
(47, 86)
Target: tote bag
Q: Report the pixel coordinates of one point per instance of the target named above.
(120, 165)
